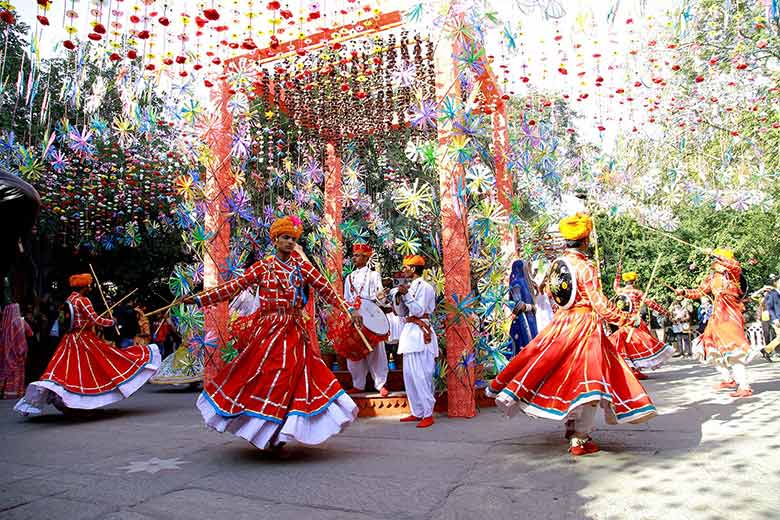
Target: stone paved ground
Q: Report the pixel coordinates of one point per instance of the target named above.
(706, 456)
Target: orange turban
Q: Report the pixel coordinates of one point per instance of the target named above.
(290, 225)
(575, 227)
(362, 248)
(414, 260)
(77, 281)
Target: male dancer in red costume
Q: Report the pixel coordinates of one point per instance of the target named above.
(87, 372)
(639, 348)
(571, 367)
(278, 389)
(723, 342)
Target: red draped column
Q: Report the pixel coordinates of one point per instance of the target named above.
(455, 247)
(219, 179)
(504, 189)
(333, 211)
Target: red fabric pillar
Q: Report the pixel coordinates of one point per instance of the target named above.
(455, 247)
(219, 179)
(504, 189)
(333, 211)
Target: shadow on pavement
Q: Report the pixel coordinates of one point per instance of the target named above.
(87, 416)
(175, 389)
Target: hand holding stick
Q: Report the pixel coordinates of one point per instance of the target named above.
(109, 309)
(342, 303)
(103, 296)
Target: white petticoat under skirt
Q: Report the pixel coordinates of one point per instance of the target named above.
(310, 429)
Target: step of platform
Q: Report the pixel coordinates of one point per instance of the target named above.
(395, 380)
(371, 404)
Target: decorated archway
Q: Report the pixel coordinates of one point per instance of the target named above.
(333, 100)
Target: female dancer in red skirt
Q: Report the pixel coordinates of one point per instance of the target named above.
(87, 372)
(571, 367)
(643, 350)
(723, 342)
(278, 389)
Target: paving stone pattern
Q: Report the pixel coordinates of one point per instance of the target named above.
(707, 456)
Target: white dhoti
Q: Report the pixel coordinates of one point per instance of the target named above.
(397, 325)
(375, 363)
(418, 381)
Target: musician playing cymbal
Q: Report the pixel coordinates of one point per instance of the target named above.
(365, 284)
(415, 302)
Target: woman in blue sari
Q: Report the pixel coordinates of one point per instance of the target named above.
(523, 328)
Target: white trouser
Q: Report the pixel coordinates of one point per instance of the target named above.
(418, 380)
(738, 373)
(375, 362)
(584, 421)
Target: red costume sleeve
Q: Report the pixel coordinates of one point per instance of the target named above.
(601, 305)
(226, 291)
(704, 288)
(616, 283)
(652, 304)
(86, 306)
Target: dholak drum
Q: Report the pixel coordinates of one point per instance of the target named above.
(346, 340)
(375, 320)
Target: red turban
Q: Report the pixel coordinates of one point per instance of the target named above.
(362, 248)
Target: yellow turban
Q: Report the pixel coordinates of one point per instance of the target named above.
(290, 225)
(414, 260)
(725, 253)
(630, 276)
(575, 227)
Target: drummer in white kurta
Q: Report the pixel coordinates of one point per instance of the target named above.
(366, 284)
(416, 302)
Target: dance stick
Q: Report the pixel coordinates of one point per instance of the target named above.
(595, 236)
(622, 251)
(669, 235)
(175, 302)
(126, 296)
(103, 296)
(644, 295)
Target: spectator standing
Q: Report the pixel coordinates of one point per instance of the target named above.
(127, 322)
(704, 313)
(14, 332)
(772, 308)
(681, 311)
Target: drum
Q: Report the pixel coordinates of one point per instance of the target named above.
(374, 318)
(346, 340)
(623, 303)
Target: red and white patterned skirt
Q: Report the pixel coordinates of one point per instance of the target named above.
(87, 372)
(569, 364)
(278, 389)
